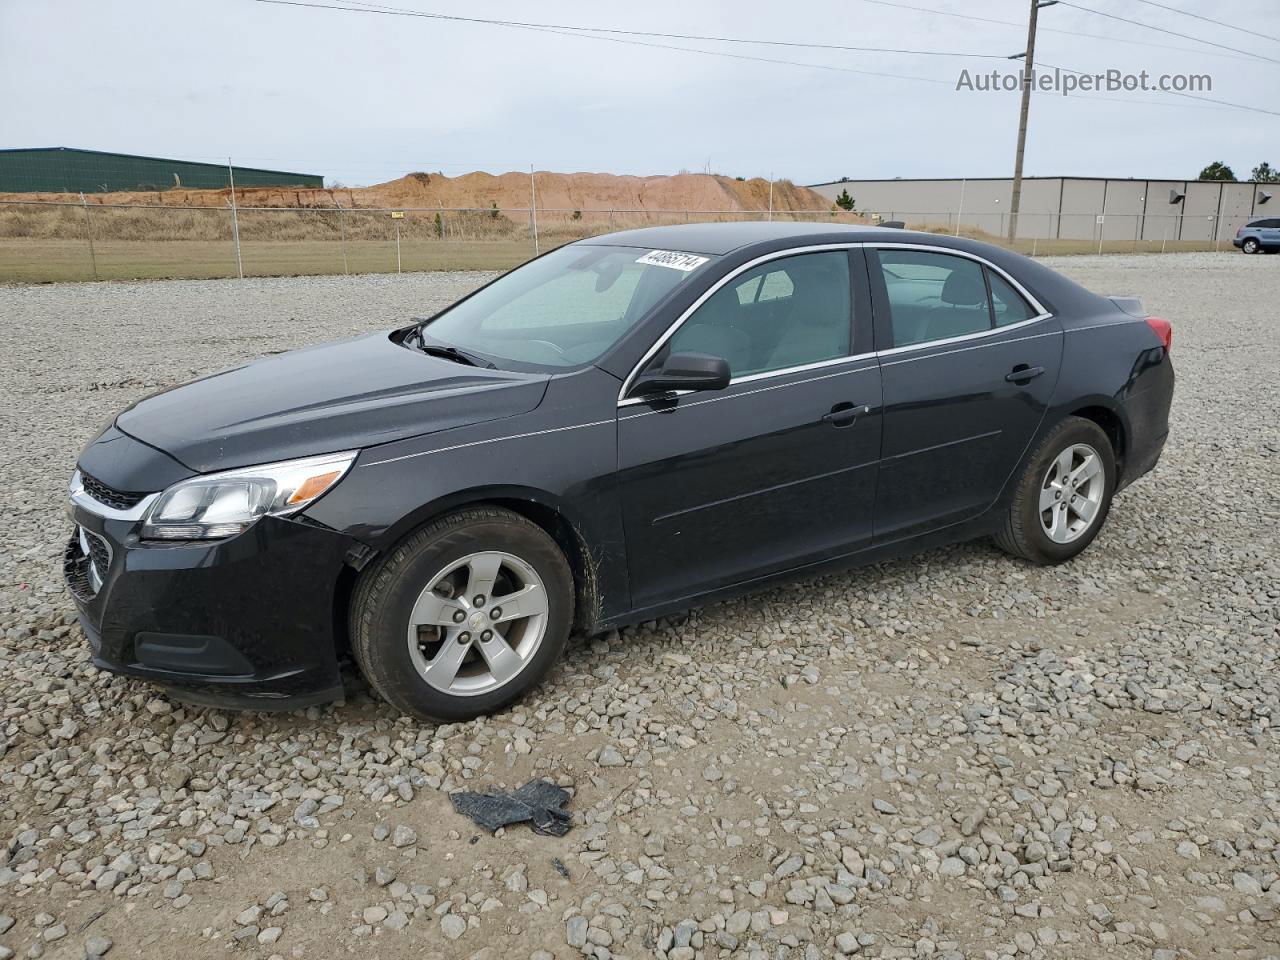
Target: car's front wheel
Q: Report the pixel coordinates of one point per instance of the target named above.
(464, 616)
(1063, 496)
(1251, 246)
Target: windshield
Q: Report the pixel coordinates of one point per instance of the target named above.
(564, 309)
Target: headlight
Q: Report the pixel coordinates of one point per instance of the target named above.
(224, 504)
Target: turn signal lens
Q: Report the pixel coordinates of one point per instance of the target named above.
(312, 487)
(1163, 329)
(224, 504)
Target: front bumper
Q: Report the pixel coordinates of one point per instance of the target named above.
(1237, 242)
(251, 621)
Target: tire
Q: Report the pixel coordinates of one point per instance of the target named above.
(1251, 246)
(1023, 532)
(460, 548)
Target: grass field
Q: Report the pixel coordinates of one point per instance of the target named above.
(31, 260)
(47, 261)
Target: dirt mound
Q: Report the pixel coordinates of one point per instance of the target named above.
(555, 191)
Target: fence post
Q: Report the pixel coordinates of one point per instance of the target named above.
(88, 229)
(342, 233)
(960, 211)
(235, 219)
(533, 209)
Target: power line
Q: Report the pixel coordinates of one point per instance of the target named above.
(1220, 23)
(1172, 33)
(402, 12)
(1172, 93)
(579, 32)
(1068, 33)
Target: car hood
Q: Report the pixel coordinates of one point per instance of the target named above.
(340, 396)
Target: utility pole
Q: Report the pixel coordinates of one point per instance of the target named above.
(235, 219)
(1028, 57)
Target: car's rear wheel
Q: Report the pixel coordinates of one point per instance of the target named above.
(1063, 496)
(464, 616)
(1251, 246)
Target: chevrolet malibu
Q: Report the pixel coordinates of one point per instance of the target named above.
(625, 427)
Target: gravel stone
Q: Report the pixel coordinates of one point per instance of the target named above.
(943, 756)
(453, 926)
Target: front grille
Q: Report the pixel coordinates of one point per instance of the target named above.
(116, 499)
(85, 563)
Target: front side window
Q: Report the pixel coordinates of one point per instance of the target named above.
(785, 313)
(564, 309)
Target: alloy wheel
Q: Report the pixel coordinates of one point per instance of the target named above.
(478, 623)
(1071, 493)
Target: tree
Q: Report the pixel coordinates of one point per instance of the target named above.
(1263, 173)
(1216, 171)
(844, 201)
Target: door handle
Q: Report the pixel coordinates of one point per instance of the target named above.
(844, 414)
(1023, 374)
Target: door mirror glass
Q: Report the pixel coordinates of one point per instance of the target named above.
(684, 371)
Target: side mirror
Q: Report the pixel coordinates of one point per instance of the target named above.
(684, 371)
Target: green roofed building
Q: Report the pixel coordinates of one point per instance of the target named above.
(69, 170)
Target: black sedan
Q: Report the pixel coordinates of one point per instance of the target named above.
(625, 427)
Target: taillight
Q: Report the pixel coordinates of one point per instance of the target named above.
(1163, 329)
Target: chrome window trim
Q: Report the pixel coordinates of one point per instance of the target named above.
(975, 346)
(744, 393)
(75, 490)
(624, 400)
(1043, 314)
(930, 248)
(981, 334)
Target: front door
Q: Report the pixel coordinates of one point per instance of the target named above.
(968, 365)
(774, 471)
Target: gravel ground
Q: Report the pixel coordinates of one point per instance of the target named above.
(953, 755)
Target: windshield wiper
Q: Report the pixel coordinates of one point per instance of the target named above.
(447, 352)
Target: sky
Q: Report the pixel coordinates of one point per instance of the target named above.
(363, 97)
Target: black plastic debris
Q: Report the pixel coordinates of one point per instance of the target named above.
(539, 801)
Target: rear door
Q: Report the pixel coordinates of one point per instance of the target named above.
(778, 469)
(1270, 232)
(968, 364)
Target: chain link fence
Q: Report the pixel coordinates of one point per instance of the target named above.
(45, 241)
(1068, 233)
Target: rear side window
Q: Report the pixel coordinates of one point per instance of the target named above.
(1007, 305)
(933, 296)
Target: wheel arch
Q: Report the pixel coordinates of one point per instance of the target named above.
(1113, 425)
(545, 511)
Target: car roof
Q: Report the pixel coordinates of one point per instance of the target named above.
(764, 236)
(717, 239)
(751, 238)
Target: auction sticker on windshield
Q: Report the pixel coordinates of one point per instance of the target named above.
(676, 261)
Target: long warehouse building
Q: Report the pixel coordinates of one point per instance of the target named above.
(72, 170)
(1068, 208)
